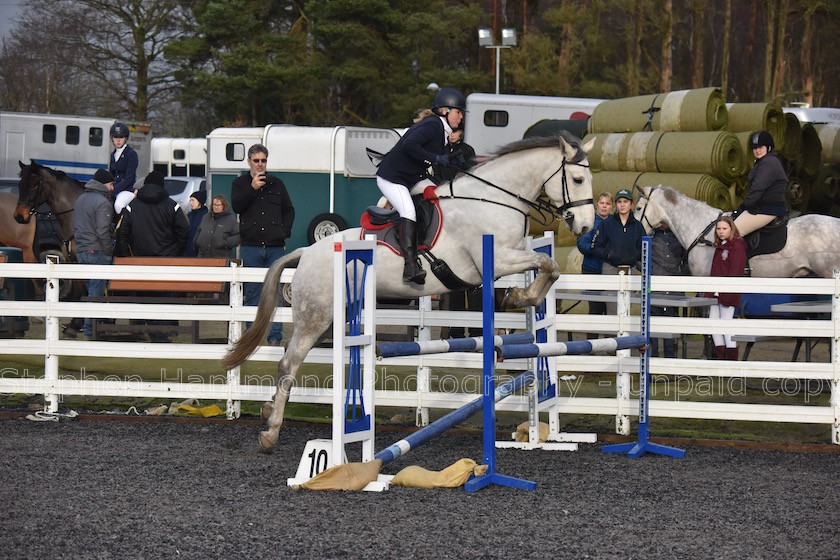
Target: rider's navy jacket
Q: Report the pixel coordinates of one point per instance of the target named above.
(408, 160)
(124, 170)
(767, 184)
(619, 244)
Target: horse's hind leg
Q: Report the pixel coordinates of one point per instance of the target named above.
(273, 413)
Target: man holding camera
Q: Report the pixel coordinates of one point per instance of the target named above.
(266, 216)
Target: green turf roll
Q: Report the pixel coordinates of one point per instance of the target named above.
(793, 137)
(830, 140)
(696, 185)
(749, 117)
(685, 110)
(809, 155)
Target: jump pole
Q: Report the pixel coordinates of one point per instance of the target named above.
(643, 445)
(354, 304)
(488, 383)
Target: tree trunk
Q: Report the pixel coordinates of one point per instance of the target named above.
(697, 40)
(724, 63)
(667, 43)
(781, 59)
(805, 53)
(768, 50)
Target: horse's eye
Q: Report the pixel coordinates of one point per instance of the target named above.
(578, 181)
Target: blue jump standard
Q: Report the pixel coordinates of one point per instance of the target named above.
(643, 445)
(473, 344)
(489, 405)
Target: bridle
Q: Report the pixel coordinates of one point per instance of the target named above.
(542, 207)
(32, 199)
(699, 240)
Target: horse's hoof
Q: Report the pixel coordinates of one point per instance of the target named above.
(265, 410)
(267, 442)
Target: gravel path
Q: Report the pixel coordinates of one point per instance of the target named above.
(117, 489)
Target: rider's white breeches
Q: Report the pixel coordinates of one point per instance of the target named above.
(399, 198)
(748, 223)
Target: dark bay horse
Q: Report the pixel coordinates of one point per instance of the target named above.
(494, 198)
(12, 233)
(40, 185)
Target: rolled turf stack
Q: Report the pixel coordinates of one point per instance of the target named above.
(749, 117)
(829, 135)
(697, 186)
(679, 111)
(718, 154)
(793, 137)
(809, 156)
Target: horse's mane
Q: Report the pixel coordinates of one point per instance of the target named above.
(543, 142)
(57, 173)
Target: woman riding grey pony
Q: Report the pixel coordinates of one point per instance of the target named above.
(408, 163)
(765, 199)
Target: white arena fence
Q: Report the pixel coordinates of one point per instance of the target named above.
(233, 388)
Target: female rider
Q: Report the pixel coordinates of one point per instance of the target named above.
(408, 163)
(765, 199)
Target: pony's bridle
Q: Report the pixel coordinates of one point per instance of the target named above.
(33, 203)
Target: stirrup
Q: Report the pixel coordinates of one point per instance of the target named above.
(414, 273)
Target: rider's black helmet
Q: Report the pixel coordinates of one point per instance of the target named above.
(119, 130)
(761, 138)
(450, 97)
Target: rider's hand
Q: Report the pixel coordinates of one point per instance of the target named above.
(442, 160)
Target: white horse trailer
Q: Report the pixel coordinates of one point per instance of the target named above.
(180, 157)
(495, 120)
(326, 170)
(73, 144)
(815, 115)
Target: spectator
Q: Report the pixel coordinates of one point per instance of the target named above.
(767, 183)
(93, 220)
(592, 264)
(266, 216)
(218, 233)
(153, 225)
(618, 241)
(123, 164)
(198, 209)
(729, 260)
(667, 260)
(461, 157)
(407, 164)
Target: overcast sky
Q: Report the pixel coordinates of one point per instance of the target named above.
(9, 10)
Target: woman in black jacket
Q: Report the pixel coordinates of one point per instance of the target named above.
(765, 199)
(408, 163)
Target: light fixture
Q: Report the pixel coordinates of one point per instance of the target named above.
(485, 39)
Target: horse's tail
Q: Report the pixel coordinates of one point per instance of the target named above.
(248, 342)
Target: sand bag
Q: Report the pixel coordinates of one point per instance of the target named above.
(523, 429)
(684, 110)
(349, 476)
(453, 476)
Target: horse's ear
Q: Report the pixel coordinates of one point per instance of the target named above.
(22, 166)
(589, 145)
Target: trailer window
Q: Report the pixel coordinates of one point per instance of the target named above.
(71, 135)
(95, 136)
(235, 151)
(496, 118)
(179, 154)
(48, 134)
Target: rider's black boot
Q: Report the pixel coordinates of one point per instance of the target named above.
(413, 270)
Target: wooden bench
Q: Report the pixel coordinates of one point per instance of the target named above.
(193, 292)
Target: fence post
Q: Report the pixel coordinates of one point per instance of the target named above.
(424, 384)
(235, 301)
(51, 328)
(622, 377)
(835, 358)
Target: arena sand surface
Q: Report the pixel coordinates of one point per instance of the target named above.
(143, 489)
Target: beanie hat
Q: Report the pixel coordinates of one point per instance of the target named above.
(200, 196)
(624, 193)
(103, 176)
(154, 178)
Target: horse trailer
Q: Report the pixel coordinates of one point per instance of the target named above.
(494, 120)
(73, 144)
(180, 157)
(815, 115)
(329, 176)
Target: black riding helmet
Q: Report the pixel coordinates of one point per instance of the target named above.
(119, 130)
(450, 97)
(761, 138)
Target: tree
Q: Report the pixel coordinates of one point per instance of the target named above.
(667, 45)
(698, 12)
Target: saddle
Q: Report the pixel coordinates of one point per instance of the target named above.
(380, 222)
(769, 239)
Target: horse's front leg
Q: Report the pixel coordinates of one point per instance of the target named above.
(512, 262)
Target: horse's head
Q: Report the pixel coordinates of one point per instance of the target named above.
(649, 207)
(30, 191)
(570, 188)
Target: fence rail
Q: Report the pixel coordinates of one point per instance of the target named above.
(233, 387)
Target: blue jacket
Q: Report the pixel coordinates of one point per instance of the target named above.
(194, 217)
(124, 170)
(619, 244)
(591, 264)
(408, 161)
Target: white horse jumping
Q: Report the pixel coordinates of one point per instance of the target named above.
(813, 242)
(495, 197)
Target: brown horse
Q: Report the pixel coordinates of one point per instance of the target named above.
(13, 234)
(40, 185)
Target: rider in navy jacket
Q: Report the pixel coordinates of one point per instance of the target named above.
(408, 162)
(123, 161)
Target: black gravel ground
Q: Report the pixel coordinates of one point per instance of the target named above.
(117, 489)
